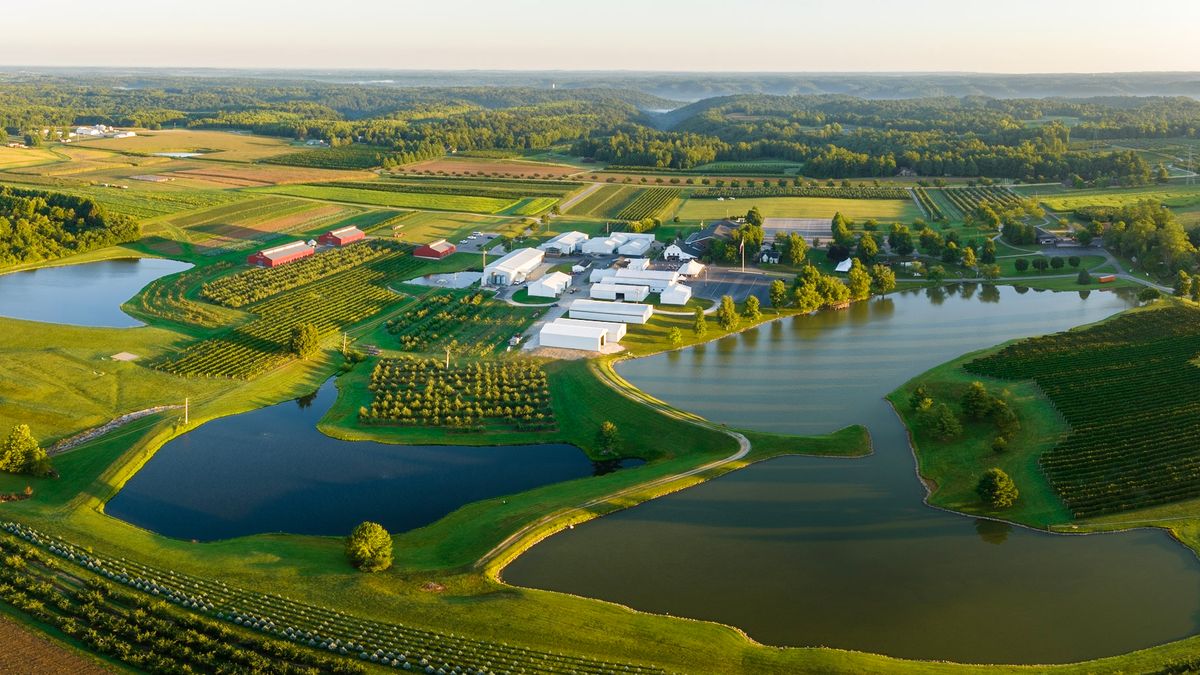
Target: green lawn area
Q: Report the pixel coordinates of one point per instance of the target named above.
(1174, 195)
(413, 200)
(424, 226)
(883, 210)
(1008, 265)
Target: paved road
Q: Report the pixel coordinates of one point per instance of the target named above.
(579, 197)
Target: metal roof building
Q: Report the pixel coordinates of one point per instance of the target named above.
(550, 285)
(513, 268)
(621, 312)
(616, 330)
(342, 236)
(278, 255)
(573, 336)
(622, 292)
(565, 243)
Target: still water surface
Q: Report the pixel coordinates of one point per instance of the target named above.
(87, 294)
(842, 552)
(270, 470)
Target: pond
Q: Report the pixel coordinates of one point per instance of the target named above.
(271, 470)
(805, 551)
(87, 294)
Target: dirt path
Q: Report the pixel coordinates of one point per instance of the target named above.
(28, 652)
(579, 196)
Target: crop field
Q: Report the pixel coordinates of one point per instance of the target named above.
(11, 158)
(775, 190)
(927, 204)
(511, 395)
(650, 203)
(424, 226)
(406, 200)
(606, 202)
(531, 206)
(509, 168)
(355, 156)
(754, 168)
(1175, 196)
(1130, 390)
(475, 187)
(802, 207)
(256, 283)
(224, 145)
(331, 304)
(257, 175)
(966, 199)
(167, 298)
(28, 651)
(153, 203)
(479, 325)
(243, 224)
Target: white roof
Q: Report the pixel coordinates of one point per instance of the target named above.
(558, 277)
(620, 288)
(845, 265)
(571, 238)
(691, 268)
(636, 246)
(519, 259)
(616, 330)
(605, 307)
(676, 291)
(657, 275)
(574, 329)
(285, 249)
(349, 229)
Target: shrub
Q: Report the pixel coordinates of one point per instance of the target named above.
(369, 547)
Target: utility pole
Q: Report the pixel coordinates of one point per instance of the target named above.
(186, 405)
(345, 338)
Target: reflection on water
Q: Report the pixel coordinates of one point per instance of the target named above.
(88, 294)
(838, 552)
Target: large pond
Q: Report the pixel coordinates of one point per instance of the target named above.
(271, 470)
(843, 552)
(87, 294)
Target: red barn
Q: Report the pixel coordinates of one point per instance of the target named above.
(435, 250)
(342, 236)
(274, 257)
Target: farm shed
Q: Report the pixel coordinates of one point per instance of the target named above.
(279, 255)
(616, 330)
(549, 286)
(435, 250)
(599, 310)
(674, 252)
(600, 275)
(656, 280)
(620, 292)
(341, 236)
(513, 268)
(566, 336)
(636, 247)
(600, 246)
(691, 269)
(676, 294)
(844, 266)
(638, 264)
(566, 243)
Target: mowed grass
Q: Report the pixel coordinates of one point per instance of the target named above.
(404, 200)
(60, 379)
(11, 158)
(224, 145)
(801, 207)
(1175, 196)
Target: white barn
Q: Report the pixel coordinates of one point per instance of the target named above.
(616, 330)
(622, 312)
(549, 286)
(603, 291)
(674, 252)
(573, 336)
(513, 268)
(656, 280)
(567, 243)
(676, 294)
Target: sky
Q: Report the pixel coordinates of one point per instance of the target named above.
(1010, 36)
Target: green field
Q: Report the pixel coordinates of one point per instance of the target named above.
(394, 199)
(1175, 196)
(606, 202)
(801, 207)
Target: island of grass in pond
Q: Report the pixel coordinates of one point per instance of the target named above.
(88, 294)
(270, 470)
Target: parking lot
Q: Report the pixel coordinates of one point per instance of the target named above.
(716, 282)
(475, 242)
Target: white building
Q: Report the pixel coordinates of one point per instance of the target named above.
(599, 310)
(610, 244)
(636, 247)
(638, 264)
(656, 280)
(567, 243)
(674, 252)
(676, 294)
(616, 330)
(570, 336)
(549, 286)
(603, 291)
(513, 268)
(601, 275)
(600, 246)
(691, 268)
(844, 266)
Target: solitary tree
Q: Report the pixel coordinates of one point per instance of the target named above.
(996, 489)
(305, 340)
(700, 323)
(727, 317)
(794, 249)
(22, 454)
(608, 439)
(778, 294)
(369, 547)
(1084, 278)
(754, 217)
(883, 279)
(751, 310)
(674, 337)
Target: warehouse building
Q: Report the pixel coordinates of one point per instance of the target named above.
(435, 250)
(636, 247)
(549, 286)
(513, 268)
(676, 294)
(616, 330)
(656, 280)
(623, 241)
(567, 243)
(591, 338)
(341, 236)
(618, 312)
(621, 292)
(279, 255)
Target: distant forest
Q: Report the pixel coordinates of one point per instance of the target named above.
(37, 225)
(832, 135)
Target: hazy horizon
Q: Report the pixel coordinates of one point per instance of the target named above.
(1022, 37)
